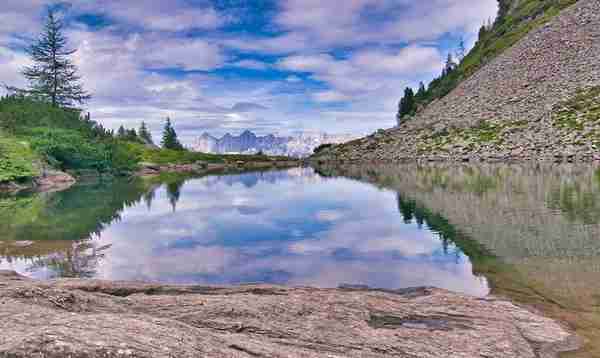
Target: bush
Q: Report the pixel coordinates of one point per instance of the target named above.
(69, 149)
(17, 161)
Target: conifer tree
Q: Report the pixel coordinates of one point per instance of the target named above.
(449, 66)
(121, 133)
(461, 51)
(421, 93)
(131, 135)
(144, 134)
(407, 105)
(53, 76)
(169, 138)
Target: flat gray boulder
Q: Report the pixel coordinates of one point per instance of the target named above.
(89, 318)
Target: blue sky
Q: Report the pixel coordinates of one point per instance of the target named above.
(272, 66)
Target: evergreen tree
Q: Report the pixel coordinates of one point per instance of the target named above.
(144, 134)
(121, 133)
(174, 192)
(461, 51)
(53, 76)
(407, 105)
(421, 93)
(169, 139)
(131, 135)
(482, 33)
(450, 65)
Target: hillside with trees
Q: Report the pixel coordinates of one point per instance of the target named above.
(42, 126)
(515, 19)
(528, 90)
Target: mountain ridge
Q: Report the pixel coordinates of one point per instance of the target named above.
(300, 144)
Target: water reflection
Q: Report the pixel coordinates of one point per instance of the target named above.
(287, 227)
(537, 225)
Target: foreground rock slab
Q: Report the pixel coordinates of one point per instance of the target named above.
(89, 318)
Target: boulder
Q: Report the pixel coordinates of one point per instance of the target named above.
(89, 318)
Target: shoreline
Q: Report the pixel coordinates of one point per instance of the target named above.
(93, 318)
(56, 180)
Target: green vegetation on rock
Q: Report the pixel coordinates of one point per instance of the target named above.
(580, 113)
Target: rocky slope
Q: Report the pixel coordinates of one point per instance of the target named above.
(540, 99)
(86, 318)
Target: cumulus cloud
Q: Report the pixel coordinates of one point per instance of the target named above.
(251, 64)
(152, 59)
(174, 15)
(365, 73)
(11, 64)
(247, 107)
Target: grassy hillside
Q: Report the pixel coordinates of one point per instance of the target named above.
(34, 135)
(18, 161)
(515, 19)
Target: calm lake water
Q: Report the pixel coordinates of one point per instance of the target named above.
(285, 227)
(530, 233)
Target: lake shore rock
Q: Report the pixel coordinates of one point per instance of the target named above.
(48, 181)
(91, 318)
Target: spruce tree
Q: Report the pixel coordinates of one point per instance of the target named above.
(53, 77)
(131, 135)
(169, 138)
(144, 134)
(121, 133)
(461, 51)
(450, 65)
(407, 105)
(421, 93)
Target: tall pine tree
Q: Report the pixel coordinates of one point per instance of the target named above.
(421, 93)
(407, 105)
(450, 65)
(169, 138)
(144, 134)
(121, 133)
(53, 76)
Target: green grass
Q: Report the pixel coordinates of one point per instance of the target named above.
(18, 162)
(580, 113)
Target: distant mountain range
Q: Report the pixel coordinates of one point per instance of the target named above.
(300, 144)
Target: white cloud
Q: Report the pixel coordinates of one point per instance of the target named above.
(330, 96)
(11, 64)
(186, 54)
(380, 47)
(251, 64)
(411, 59)
(173, 15)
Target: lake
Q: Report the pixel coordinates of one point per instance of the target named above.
(527, 232)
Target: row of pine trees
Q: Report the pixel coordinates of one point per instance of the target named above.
(142, 135)
(411, 101)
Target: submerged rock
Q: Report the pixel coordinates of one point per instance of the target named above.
(90, 318)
